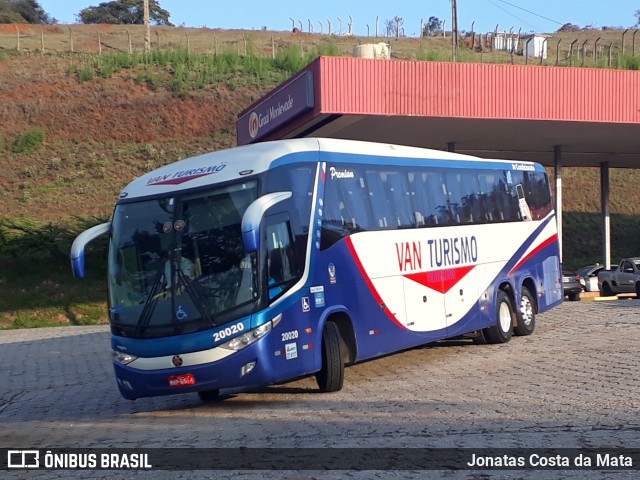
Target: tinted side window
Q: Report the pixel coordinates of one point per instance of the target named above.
(359, 198)
(299, 180)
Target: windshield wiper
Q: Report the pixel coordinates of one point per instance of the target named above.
(198, 300)
(150, 303)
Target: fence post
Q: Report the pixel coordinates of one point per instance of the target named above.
(571, 52)
(623, 34)
(99, 45)
(41, 42)
(71, 38)
(17, 37)
(129, 40)
(188, 43)
(584, 50)
(558, 52)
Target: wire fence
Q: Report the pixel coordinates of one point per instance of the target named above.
(591, 48)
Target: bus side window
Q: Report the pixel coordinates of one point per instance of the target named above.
(399, 198)
(302, 182)
(380, 208)
(484, 180)
(420, 201)
(436, 191)
(454, 199)
(281, 266)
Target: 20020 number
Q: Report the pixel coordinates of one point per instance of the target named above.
(292, 335)
(222, 334)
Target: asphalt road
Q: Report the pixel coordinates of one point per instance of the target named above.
(573, 384)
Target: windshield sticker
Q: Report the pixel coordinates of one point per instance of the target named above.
(181, 314)
(185, 175)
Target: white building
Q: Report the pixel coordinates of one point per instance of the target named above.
(535, 45)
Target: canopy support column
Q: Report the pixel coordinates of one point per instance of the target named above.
(557, 169)
(604, 209)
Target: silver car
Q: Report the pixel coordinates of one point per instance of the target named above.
(589, 277)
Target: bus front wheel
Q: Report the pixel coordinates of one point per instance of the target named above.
(502, 331)
(526, 314)
(331, 376)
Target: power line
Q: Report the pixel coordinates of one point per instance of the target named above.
(511, 14)
(530, 12)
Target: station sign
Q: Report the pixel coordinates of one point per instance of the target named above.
(280, 107)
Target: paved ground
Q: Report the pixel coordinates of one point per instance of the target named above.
(574, 383)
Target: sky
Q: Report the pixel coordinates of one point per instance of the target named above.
(540, 16)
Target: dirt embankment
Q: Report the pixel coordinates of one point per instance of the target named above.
(39, 92)
(99, 134)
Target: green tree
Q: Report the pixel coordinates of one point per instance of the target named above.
(126, 12)
(432, 28)
(23, 11)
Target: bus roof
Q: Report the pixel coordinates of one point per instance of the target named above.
(235, 163)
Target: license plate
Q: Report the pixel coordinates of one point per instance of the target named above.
(182, 380)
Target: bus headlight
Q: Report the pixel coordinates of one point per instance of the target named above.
(123, 358)
(246, 339)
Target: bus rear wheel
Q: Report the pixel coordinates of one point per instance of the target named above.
(526, 315)
(502, 331)
(330, 377)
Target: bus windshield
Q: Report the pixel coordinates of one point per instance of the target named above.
(177, 264)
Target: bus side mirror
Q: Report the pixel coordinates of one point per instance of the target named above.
(79, 244)
(253, 216)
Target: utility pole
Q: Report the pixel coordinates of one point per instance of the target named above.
(454, 29)
(147, 30)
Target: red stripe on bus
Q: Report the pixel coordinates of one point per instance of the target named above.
(535, 251)
(373, 290)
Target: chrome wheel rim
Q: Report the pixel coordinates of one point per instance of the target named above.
(504, 316)
(526, 309)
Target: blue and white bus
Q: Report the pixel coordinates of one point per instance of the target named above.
(264, 263)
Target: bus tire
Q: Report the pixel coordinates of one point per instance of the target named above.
(209, 395)
(502, 331)
(526, 314)
(330, 377)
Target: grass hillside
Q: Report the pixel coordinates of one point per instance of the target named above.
(86, 114)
